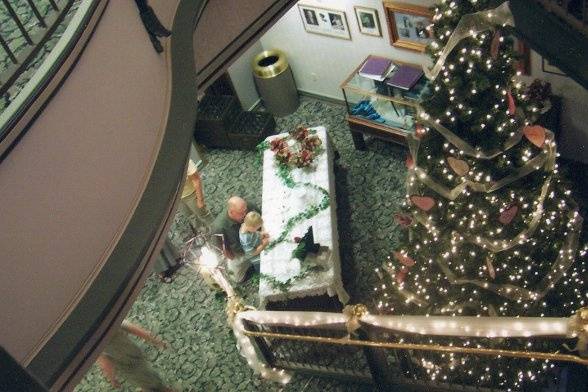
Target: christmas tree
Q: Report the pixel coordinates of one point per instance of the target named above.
(492, 229)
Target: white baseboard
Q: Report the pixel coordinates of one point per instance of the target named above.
(328, 98)
(255, 105)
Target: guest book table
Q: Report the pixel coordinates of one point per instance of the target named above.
(281, 203)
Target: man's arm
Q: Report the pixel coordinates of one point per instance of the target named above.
(218, 230)
(108, 370)
(196, 181)
(143, 334)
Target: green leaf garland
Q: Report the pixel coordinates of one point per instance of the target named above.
(285, 174)
(305, 270)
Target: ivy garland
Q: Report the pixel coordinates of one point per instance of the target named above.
(285, 173)
(305, 270)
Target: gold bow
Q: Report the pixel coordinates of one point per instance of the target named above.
(354, 313)
(579, 328)
(235, 305)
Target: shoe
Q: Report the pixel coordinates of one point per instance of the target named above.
(165, 277)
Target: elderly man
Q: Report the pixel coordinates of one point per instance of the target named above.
(227, 224)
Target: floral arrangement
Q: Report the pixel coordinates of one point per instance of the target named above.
(539, 93)
(302, 152)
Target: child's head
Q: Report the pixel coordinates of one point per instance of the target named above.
(253, 220)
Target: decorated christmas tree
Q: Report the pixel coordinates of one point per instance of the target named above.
(491, 228)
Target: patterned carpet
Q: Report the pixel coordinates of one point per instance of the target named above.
(187, 314)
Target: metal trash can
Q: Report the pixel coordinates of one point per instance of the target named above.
(275, 82)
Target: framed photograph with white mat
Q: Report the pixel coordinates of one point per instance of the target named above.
(408, 25)
(324, 21)
(546, 66)
(368, 21)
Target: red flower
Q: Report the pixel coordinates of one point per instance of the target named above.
(300, 133)
(277, 144)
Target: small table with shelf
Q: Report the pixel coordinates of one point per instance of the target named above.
(378, 109)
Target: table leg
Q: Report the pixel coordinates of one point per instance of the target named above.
(358, 141)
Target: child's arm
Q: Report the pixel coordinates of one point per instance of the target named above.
(143, 334)
(262, 245)
(108, 370)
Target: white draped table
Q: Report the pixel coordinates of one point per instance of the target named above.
(279, 203)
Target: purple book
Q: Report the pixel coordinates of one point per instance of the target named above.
(405, 77)
(375, 67)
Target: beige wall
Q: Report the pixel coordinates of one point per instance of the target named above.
(321, 63)
(71, 185)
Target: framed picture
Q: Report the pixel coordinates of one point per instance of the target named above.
(408, 25)
(368, 21)
(324, 21)
(524, 63)
(546, 66)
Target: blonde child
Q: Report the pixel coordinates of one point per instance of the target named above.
(252, 239)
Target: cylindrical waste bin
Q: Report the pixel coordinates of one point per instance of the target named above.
(275, 82)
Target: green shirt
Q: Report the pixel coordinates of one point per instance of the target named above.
(230, 229)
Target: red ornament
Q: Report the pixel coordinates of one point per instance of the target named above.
(297, 239)
(404, 259)
(508, 214)
(403, 220)
(425, 203)
(401, 275)
(495, 44)
(461, 168)
(409, 161)
(535, 134)
(512, 107)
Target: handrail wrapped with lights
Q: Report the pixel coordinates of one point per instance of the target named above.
(315, 324)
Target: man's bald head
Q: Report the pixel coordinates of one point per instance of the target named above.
(237, 208)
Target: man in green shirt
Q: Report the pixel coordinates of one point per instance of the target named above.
(227, 224)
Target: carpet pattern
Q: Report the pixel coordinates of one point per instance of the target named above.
(190, 317)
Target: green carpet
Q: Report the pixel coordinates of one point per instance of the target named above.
(187, 314)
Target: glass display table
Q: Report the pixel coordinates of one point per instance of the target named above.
(378, 109)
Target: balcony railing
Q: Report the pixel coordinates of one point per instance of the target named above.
(36, 40)
(379, 349)
(26, 27)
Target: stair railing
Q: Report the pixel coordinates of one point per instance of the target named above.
(46, 77)
(34, 35)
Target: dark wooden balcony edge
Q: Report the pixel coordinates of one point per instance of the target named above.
(75, 346)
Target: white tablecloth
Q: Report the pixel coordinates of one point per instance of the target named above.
(281, 203)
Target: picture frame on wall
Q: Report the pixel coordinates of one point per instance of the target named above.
(368, 21)
(523, 64)
(546, 66)
(324, 21)
(408, 25)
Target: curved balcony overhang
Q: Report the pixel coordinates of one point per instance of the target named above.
(89, 189)
(91, 178)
